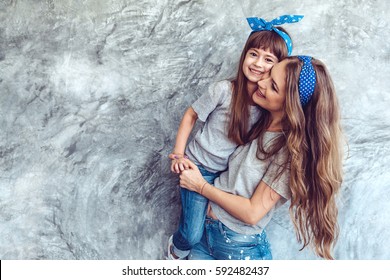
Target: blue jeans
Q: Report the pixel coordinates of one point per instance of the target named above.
(193, 215)
(221, 243)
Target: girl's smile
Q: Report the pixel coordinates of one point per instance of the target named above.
(256, 72)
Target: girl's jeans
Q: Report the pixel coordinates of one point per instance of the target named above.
(220, 243)
(192, 217)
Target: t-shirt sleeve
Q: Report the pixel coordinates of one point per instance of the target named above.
(209, 100)
(276, 179)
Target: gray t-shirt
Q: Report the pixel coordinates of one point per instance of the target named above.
(244, 175)
(211, 146)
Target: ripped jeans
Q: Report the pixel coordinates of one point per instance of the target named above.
(221, 243)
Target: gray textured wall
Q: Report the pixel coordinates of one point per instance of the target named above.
(91, 94)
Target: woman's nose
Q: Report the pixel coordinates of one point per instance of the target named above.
(263, 83)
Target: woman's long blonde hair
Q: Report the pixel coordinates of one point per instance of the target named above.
(313, 137)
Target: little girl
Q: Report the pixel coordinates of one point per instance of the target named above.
(228, 113)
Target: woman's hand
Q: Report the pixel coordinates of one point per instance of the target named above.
(191, 178)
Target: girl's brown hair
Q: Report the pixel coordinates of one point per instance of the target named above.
(238, 127)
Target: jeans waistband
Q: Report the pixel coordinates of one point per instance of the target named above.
(211, 220)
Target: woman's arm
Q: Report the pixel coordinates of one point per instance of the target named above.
(248, 210)
(186, 125)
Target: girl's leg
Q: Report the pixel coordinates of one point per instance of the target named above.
(192, 218)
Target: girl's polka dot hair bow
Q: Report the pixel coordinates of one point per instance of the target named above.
(259, 24)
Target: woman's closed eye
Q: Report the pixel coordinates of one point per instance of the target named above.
(274, 86)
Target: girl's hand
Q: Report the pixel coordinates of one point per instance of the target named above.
(178, 163)
(191, 178)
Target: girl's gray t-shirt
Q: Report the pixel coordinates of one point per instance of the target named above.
(244, 175)
(211, 146)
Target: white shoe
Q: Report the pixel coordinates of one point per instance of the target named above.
(170, 254)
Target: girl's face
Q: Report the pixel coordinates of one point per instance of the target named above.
(256, 66)
(271, 92)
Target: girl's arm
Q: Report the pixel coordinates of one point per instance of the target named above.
(186, 125)
(248, 210)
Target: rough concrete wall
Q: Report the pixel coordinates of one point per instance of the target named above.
(91, 95)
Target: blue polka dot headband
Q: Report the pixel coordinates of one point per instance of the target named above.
(307, 80)
(259, 24)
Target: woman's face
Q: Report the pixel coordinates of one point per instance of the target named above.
(271, 92)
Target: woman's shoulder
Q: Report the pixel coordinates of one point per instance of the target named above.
(281, 157)
(268, 140)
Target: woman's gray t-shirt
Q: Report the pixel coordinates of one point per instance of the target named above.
(211, 146)
(244, 175)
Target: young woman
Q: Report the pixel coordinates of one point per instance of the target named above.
(297, 156)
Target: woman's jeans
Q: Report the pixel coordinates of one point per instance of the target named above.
(220, 243)
(192, 217)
